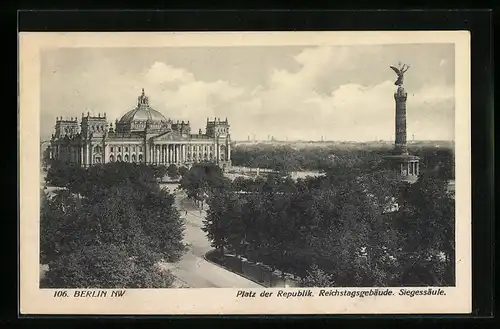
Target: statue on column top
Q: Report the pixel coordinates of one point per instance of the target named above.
(400, 71)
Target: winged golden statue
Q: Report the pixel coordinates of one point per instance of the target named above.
(400, 71)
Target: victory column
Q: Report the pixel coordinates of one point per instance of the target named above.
(400, 160)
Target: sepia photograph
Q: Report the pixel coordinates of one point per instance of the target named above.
(259, 167)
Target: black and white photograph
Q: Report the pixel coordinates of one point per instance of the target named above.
(279, 168)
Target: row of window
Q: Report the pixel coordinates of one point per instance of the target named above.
(125, 158)
(133, 158)
(126, 148)
(98, 149)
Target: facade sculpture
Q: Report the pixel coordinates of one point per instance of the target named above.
(142, 135)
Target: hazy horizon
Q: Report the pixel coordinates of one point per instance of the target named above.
(343, 93)
(340, 141)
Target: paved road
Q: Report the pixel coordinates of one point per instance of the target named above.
(193, 270)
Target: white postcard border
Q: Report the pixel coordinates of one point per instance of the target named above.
(220, 300)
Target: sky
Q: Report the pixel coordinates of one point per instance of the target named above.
(342, 93)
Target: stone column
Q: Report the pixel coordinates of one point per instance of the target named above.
(228, 148)
(184, 153)
(176, 153)
(104, 154)
(400, 97)
(89, 154)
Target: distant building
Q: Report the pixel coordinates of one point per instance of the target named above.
(142, 135)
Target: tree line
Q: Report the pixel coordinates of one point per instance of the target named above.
(109, 228)
(284, 158)
(354, 226)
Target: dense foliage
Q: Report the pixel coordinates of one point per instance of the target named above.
(173, 171)
(109, 228)
(201, 179)
(284, 158)
(340, 229)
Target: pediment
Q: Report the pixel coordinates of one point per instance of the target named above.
(169, 136)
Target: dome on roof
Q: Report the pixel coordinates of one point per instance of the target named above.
(142, 112)
(141, 116)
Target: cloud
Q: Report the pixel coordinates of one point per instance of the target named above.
(160, 73)
(342, 93)
(178, 94)
(351, 111)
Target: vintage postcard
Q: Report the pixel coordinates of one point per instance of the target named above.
(245, 173)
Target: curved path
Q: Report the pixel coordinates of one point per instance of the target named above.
(193, 270)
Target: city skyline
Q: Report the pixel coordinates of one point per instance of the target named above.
(336, 93)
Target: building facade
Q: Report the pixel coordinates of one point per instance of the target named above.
(142, 135)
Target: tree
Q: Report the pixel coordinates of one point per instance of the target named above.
(159, 171)
(183, 170)
(316, 277)
(358, 225)
(429, 228)
(241, 183)
(173, 171)
(105, 266)
(121, 208)
(64, 174)
(223, 224)
(46, 157)
(58, 216)
(201, 179)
